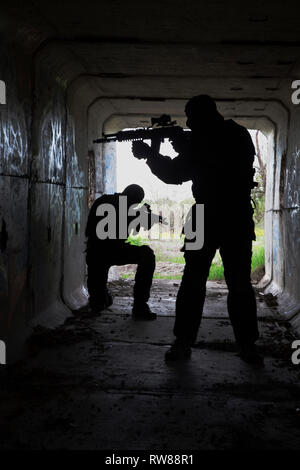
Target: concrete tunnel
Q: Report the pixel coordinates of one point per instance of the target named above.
(73, 71)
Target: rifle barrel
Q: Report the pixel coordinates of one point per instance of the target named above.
(141, 134)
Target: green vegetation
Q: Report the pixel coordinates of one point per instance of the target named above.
(258, 257)
(136, 240)
(258, 197)
(156, 276)
(171, 259)
(258, 261)
(216, 272)
(164, 252)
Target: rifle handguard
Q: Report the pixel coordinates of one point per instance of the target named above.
(158, 133)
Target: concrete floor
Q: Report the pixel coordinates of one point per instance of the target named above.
(102, 383)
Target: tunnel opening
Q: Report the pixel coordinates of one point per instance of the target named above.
(174, 201)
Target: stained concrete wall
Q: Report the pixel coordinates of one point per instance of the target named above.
(47, 197)
(290, 215)
(76, 203)
(105, 154)
(44, 197)
(278, 140)
(15, 157)
(282, 217)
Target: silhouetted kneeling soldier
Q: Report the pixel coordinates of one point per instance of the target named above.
(103, 253)
(218, 157)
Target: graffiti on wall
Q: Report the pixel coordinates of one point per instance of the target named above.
(51, 144)
(110, 167)
(75, 180)
(13, 137)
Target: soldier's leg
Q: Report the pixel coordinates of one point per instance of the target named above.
(144, 257)
(191, 294)
(236, 256)
(144, 273)
(97, 273)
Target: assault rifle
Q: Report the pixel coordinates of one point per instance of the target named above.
(161, 128)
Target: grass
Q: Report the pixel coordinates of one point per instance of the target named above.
(136, 240)
(166, 254)
(174, 259)
(156, 276)
(258, 257)
(216, 272)
(258, 261)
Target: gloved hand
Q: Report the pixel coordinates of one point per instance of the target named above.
(140, 149)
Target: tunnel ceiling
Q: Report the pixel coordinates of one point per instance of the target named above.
(171, 50)
(169, 21)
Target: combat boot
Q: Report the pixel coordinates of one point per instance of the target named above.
(142, 312)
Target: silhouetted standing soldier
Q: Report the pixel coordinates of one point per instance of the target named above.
(218, 158)
(110, 251)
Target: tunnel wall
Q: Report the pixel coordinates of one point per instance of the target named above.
(44, 191)
(15, 158)
(76, 204)
(282, 211)
(47, 197)
(105, 154)
(62, 165)
(274, 230)
(269, 197)
(290, 213)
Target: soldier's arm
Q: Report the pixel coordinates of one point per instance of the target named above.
(153, 218)
(170, 171)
